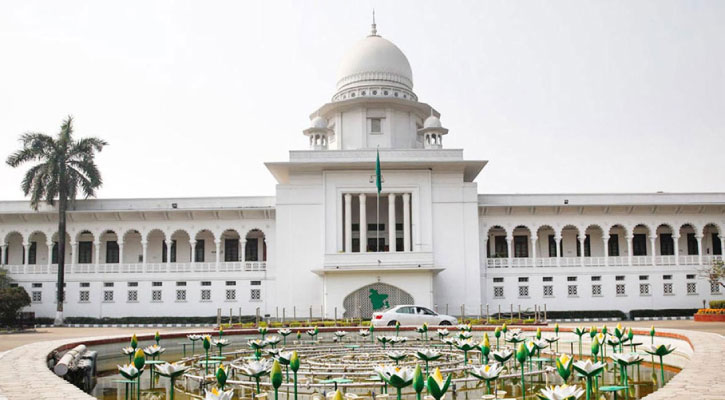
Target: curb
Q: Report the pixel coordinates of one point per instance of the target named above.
(585, 320)
(132, 326)
(662, 318)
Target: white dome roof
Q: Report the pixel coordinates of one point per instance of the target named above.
(319, 122)
(374, 59)
(432, 122)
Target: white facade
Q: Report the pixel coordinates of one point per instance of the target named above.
(306, 251)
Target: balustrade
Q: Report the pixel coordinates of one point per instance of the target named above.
(237, 266)
(620, 261)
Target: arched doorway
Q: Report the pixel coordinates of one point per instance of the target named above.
(375, 297)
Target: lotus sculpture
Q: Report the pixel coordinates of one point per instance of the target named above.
(220, 343)
(194, 338)
(427, 355)
(273, 340)
(172, 371)
(437, 385)
(563, 392)
(396, 355)
(660, 351)
(488, 373)
(255, 369)
(284, 332)
(397, 377)
(588, 370)
(215, 394)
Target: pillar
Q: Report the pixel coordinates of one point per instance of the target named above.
(629, 249)
(120, 252)
(242, 242)
(244, 250)
(485, 248)
(391, 222)
(348, 223)
(168, 250)
(3, 253)
(653, 244)
(582, 238)
(722, 245)
(363, 223)
(97, 248)
(699, 248)
(509, 249)
(406, 221)
(50, 252)
(557, 239)
(605, 246)
(145, 246)
(73, 252)
(218, 244)
(192, 245)
(26, 249)
(534, 238)
(676, 242)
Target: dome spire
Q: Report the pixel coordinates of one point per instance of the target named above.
(374, 29)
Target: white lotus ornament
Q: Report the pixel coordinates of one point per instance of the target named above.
(215, 394)
(563, 392)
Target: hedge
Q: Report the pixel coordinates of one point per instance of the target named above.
(717, 303)
(592, 314)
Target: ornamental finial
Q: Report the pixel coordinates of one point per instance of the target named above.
(374, 30)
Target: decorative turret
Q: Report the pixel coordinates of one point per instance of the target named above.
(432, 132)
(319, 133)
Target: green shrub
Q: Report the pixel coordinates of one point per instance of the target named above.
(328, 323)
(275, 324)
(365, 323)
(295, 324)
(12, 300)
(529, 321)
(717, 303)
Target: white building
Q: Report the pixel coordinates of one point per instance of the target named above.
(432, 239)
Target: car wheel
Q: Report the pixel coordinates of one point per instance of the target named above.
(392, 323)
(445, 323)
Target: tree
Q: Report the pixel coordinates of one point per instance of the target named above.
(715, 273)
(12, 300)
(64, 167)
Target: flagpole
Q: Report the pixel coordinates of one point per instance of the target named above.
(377, 225)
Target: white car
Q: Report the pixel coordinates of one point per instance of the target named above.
(411, 315)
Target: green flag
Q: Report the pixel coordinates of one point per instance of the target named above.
(378, 177)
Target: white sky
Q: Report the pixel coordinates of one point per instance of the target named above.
(575, 96)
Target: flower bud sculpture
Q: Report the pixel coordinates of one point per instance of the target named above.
(397, 328)
(485, 348)
(563, 366)
(262, 331)
(504, 328)
(221, 376)
(521, 356)
(157, 338)
(207, 345)
(497, 333)
(418, 382)
(538, 333)
(556, 331)
(294, 365)
(139, 360)
(437, 386)
(276, 378)
(134, 342)
(652, 334)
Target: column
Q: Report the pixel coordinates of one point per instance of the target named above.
(168, 250)
(192, 244)
(406, 221)
(509, 249)
(722, 245)
(363, 223)
(629, 249)
(391, 222)
(120, 252)
(582, 238)
(50, 252)
(534, 238)
(242, 242)
(557, 239)
(485, 249)
(3, 253)
(218, 244)
(244, 250)
(145, 246)
(699, 248)
(97, 246)
(676, 242)
(348, 223)
(605, 246)
(73, 252)
(26, 249)
(653, 243)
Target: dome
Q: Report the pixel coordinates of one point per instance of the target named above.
(374, 60)
(432, 122)
(318, 122)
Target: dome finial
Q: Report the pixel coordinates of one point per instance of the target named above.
(374, 30)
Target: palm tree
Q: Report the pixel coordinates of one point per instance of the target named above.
(64, 166)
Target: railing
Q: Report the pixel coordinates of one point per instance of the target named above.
(620, 261)
(237, 266)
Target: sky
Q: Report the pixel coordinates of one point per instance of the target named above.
(194, 97)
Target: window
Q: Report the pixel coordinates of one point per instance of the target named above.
(107, 296)
(667, 245)
(133, 284)
(155, 295)
(132, 296)
(376, 125)
(692, 247)
(107, 284)
(587, 247)
(548, 291)
(571, 278)
(373, 227)
(156, 284)
(231, 294)
(497, 280)
(715, 287)
(643, 277)
(500, 247)
(255, 294)
(613, 244)
(552, 246)
(255, 283)
(85, 284)
(621, 290)
(251, 252)
(84, 296)
(667, 277)
(644, 289)
(690, 276)
(181, 295)
(548, 279)
(180, 283)
(521, 246)
(596, 290)
(231, 250)
(112, 252)
(85, 250)
(199, 251)
(163, 251)
(716, 245)
(54, 253)
(37, 285)
(639, 244)
(498, 292)
(523, 291)
(37, 297)
(33, 253)
(619, 278)
(691, 288)
(572, 290)
(205, 283)
(205, 295)
(231, 283)
(374, 245)
(667, 288)
(523, 279)
(596, 278)
(406, 310)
